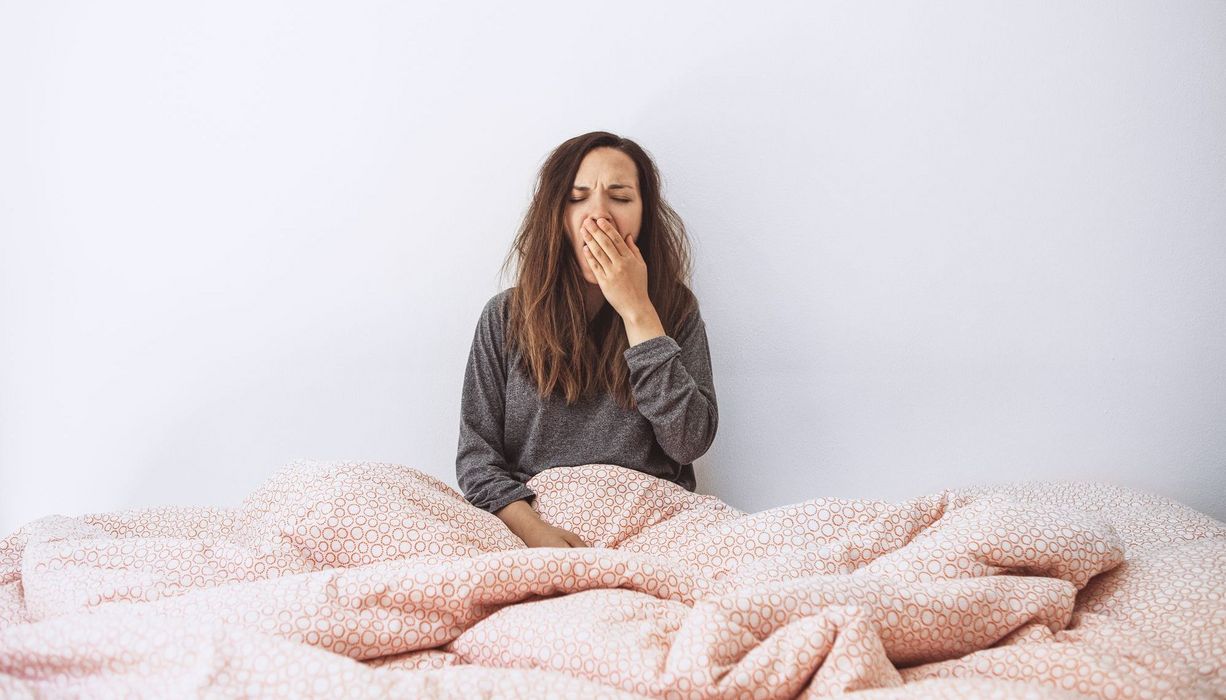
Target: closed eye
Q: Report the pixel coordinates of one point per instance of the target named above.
(620, 199)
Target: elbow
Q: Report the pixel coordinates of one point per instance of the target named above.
(700, 440)
(712, 425)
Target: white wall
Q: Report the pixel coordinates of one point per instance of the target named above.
(938, 245)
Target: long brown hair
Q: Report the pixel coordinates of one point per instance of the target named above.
(559, 348)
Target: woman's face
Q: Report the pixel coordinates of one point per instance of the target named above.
(607, 185)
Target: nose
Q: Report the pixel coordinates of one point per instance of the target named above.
(598, 213)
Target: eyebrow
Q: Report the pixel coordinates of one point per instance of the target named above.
(614, 186)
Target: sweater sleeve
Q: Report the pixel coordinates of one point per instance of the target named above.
(672, 384)
(481, 469)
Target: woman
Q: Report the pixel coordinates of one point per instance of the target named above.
(598, 355)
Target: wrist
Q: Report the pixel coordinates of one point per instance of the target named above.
(642, 325)
(642, 316)
(519, 516)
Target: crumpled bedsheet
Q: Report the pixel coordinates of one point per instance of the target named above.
(367, 579)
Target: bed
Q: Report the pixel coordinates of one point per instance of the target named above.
(356, 579)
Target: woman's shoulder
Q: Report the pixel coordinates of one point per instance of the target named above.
(690, 309)
(496, 305)
(495, 314)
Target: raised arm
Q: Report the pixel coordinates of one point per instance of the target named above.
(673, 385)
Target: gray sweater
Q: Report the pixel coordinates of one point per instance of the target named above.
(508, 433)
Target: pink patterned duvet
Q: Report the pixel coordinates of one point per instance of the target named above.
(344, 579)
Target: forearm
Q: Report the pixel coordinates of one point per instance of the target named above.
(642, 325)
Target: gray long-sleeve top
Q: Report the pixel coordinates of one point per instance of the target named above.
(508, 433)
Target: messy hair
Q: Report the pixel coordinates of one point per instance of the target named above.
(560, 349)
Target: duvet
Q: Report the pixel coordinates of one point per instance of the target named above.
(364, 579)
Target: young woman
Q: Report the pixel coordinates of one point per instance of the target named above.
(598, 355)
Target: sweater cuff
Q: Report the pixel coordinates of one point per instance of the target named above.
(651, 352)
(518, 493)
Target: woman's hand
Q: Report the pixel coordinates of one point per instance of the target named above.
(522, 519)
(546, 535)
(618, 266)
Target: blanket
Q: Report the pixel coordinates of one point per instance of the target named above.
(368, 579)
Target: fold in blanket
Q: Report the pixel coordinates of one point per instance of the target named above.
(376, 579)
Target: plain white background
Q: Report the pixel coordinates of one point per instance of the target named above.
(937, 244)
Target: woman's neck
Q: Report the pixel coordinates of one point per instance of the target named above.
(593, 299)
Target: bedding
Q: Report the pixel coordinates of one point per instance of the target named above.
(368, 579)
